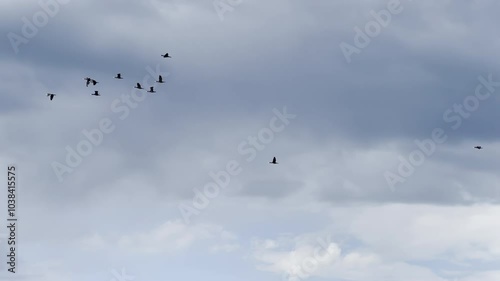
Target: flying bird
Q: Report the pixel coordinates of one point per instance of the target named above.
(88, 81)
(94, 82)
(51, 96)
(151, 90)
(96, 93)
(138, 86)
(118, 76)
(478, 147)
(160, 79)
(274, 161)
(166, 55)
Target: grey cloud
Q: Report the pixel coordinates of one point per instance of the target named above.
(272, 189)
(353, 120)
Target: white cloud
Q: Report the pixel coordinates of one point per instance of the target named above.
(300, 262)
(174, 236)
(93, 242)
(423, 232)
(391, 240)
(227, 248)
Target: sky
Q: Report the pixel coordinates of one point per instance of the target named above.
(371, 107)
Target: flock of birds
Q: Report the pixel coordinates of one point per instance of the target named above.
(151, 90)
(118, 76)
(137, 86)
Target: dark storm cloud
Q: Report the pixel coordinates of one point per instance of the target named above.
(263, 55)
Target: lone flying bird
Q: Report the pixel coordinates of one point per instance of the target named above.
(138, 86)
(96, 93)
(118, 76)
(166, 55)
(160, 79)
(274, 161)
(51, 96)
(478, 147)
(151, 90)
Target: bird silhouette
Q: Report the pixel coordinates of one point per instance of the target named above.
(160, 79)
(478, 147)
(96, 93)
(94, 82)
(118, 76)
(151, 90)
(166, 55)
(274, 161)
(51, 96)
(138, 86)
(88, 80)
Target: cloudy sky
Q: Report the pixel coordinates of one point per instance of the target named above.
(371, 107)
